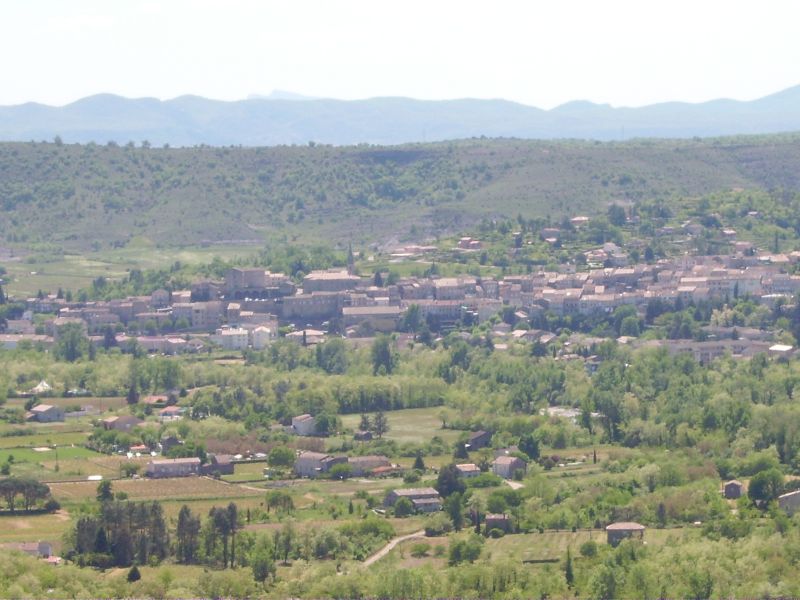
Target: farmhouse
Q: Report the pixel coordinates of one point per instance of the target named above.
(468, 470)
(173, 467)
(37, 549)
(121, 423)
(45, 413)
(790, 502)
(732, 489)
(170, 413)
(218, 464)
(499, 521)
(365, 465)
(413, 494)
(313, 464)
(507, 466)
(479, 439)
(617, 532)
(304, 425)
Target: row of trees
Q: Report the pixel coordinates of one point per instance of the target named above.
(29, 492)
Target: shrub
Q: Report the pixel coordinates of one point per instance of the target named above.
(403, 508)
(421, 549)
(133, 574)
(588, 548)
(411, 477)
(438, 524)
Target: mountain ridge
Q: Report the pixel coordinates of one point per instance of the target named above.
(284, 118)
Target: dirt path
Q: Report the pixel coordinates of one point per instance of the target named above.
(390, 546)
(514, 485)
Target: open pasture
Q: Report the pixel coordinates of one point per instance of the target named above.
(33, 528)
(175, 489)
(36, 440)
(411, 425)
(75, 271)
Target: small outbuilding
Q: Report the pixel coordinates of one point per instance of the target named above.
(468, 470)
(499, 521)
(790, 502)
(621, 531)
(507, 466)
(732, 489)
(46, 413)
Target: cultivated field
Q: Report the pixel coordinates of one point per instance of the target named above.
(177, 489)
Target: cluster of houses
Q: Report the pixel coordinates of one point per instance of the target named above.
(246, 308)
(317, 464)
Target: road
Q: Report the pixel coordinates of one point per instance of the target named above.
(390, 546)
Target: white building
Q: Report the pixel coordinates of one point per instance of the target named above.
(231, 338)
(262, 337)
(304, 425)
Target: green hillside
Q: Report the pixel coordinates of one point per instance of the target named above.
(90, 197)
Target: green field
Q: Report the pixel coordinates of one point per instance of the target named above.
(75, 271)
(413, 425)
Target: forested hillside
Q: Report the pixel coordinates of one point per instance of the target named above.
(91, 196)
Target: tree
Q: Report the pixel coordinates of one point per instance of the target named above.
(72, 343)
(104, 491)
(187, 535)
(132, 397)
(109, 338)
(279, 499)
(133, 574)
(281, 456)
(331, 356)
(365, 424)
(419, 464)
(454, 507)
(221, 526)
(383, 356)
(285, 541)
(233, 524)
(530, 446)
(380, 424)
(341, 471)
(630, 327)
(32, 491)
(765, 486)
(461, 451)
(403, 508)
(261, 560)
(450, 481)
(616, 215)
(412, 320)
(9, 488)
(569, 575)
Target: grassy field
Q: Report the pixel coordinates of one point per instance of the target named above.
(74, 271)
(177, 489)
(415, 425)
(61, 438)
(101, 404)
(43, 453)
(33, 528)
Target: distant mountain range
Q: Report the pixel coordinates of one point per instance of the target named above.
(287, 118)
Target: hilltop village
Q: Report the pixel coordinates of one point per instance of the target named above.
(251, 307)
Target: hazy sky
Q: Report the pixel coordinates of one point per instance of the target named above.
(541, 53)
